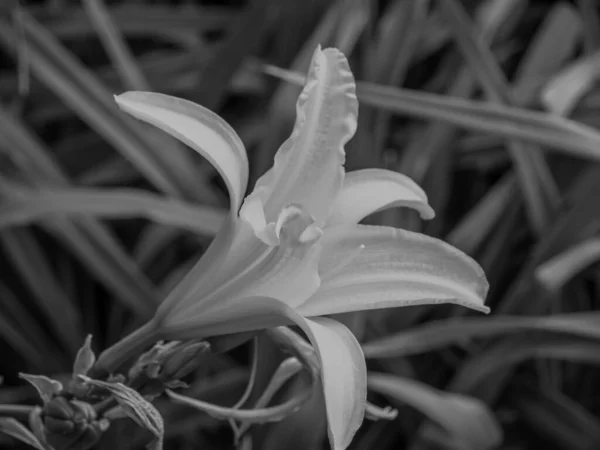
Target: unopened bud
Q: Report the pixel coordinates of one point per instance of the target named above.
(164, 365)
(71, 424)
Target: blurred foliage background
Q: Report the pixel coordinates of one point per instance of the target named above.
(492, 106)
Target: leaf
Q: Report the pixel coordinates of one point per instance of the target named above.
(251, 416)
(442, 333)
(21, 331)
(510, 352)
(85, 358)
(92, 242)
(562, 93)
(32, 205)
(135, 406)
(537, 183)
(554, 273)
(249, 31)
(14, 428)
(46, 387)
(467, 422)
(27, 256)
(171, 171)
(115, 45)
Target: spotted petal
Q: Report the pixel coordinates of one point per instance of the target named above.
(366, 267)
(370, 190)
(308, 168)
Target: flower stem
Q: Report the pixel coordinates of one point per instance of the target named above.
(127, 348)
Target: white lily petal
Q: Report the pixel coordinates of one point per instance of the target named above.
(343, 367)
(211, 269)
(394, 268)
(287, 272)
(200, 129)
(343, 375)
(308, 168)
(370, 190)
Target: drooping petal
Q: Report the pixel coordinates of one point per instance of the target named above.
(308, 168)
(370, 190)
(366, 267)
(343, 375)
(199, 128)
(343, 368)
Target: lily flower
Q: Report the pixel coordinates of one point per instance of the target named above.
(293, 251)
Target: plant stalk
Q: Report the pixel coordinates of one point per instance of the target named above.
(129, 347)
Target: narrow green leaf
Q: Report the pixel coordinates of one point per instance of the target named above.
(539, 189)
(591, 22)
(467, 422)
(22, 332)
(85, 358)
(564, 90)
(511, 352)
(31, 263)
(252, 416)
(555, 272)
(30, 205)
(88, 239)
(115, 45)
(14, 428)
(135, 406)
(443, 333)
(243, 39)
(46, 387)
(170, 170)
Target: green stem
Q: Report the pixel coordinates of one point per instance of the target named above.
(126, 349)
(20, 412)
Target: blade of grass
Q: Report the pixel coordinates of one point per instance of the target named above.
(116, 47)
(177, 25)
(511, 352)
(564, 90)
(558, 418)
(163, 162)
(29, 205)
(110, 264)
(31, 263)
(467, 422)
(400, 30)
(22, 332)
(539, 189)
(442, 333)
(591, 24)
(555, 272)
(555, 41)
(244, 38)
(477, 224)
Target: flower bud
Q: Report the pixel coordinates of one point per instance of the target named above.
(71, 424)
(164, 365)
